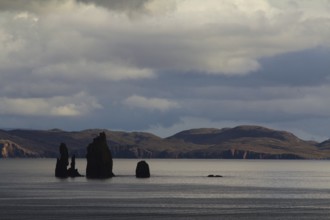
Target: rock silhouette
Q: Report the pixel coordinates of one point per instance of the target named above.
(142, 170)
(99, 159)
(211, 175)
(72, 171)
(61, 170)
(62, 162)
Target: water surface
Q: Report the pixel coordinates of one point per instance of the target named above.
(178, 189)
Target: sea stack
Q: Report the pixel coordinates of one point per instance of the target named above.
(99, 159)
(142, 170)
(72, 171)
(62, 162)
(61, 170)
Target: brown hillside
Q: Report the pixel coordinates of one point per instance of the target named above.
(249, 142)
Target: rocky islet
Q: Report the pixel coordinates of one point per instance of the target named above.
(99, 162)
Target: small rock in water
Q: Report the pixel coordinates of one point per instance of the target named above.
(211, 175)
(142, 170)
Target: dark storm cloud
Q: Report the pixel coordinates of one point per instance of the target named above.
(17, 4)
(26, 5)
(118, 5)
(303, 68)
(40, 5)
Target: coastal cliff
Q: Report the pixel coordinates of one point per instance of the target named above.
(10, 149)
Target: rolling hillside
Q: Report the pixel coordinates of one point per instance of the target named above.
(242, 142)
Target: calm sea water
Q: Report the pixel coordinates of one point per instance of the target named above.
(178, 189)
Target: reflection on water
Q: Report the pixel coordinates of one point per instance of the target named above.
(178, 189)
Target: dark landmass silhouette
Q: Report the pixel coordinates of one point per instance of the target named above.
(142, 170)
(99, 158)
(241, 142)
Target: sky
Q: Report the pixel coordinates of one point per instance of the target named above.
(163, 66)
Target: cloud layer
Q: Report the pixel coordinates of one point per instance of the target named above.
(76, 105)
(258, 61)
(159, 104)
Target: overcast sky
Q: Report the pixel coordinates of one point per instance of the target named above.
(163, 66)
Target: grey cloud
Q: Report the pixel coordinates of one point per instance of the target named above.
(197, 61)
(118, 5)
(17, 4)
(76, 105)
(130, 6)
(308, 67)
(27, 5)
(271, 104)
(199, 43)
(159, 104)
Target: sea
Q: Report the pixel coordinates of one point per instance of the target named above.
(177, 189)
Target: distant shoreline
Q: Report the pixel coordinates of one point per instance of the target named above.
(241, 142)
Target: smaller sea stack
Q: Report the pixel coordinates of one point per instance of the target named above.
(62, 162)
(61, 170)
(142, 170)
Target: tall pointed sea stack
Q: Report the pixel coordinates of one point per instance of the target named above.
(62, 162)
(99, 159)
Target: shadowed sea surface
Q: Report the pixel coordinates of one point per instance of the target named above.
(177, 189)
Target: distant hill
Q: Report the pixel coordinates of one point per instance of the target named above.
(242, 142)
(253, 142)
(324, 145)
